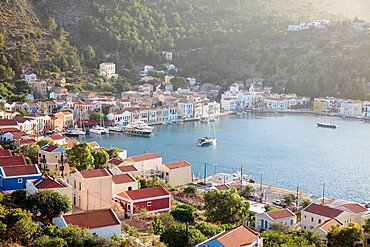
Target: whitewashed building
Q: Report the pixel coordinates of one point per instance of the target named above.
(351, 108)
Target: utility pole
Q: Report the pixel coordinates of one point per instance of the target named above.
(296, 200)
(323, 193)
(241, 175)
(205, 174)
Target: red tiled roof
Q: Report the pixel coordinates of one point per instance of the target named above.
(5, 130)
(177, 164)
(236, 237)
(56, 137)
(322, 210)
(94, 144)
(49, 148)
(146, 193)
(354, 207)
(280, 214)
(115, 161)
(27, 141)
(222, 187)
(326, 225)
(12, 161)
(6, 122)
(47, 182)
(94, 173)
(92, 219)
(128, 168)
(20, 170)
(144, 157)
(5, 152)
(122, 178)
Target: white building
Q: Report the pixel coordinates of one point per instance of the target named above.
(185, 108)
(367, 111)
(168, 55)
(351, 108)
(31, 78)
(191, 81)
(147, 68)
(108, 69)
(283, 216)
(104, 223)
(231, 104)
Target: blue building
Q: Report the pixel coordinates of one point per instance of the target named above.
(15, 177)
(14, 172)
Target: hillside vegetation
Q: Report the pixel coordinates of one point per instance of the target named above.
(215, 41)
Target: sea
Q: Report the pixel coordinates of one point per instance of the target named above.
(284, 150)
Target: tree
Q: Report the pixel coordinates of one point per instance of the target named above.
(89, 55)
(25, 230)
(190, 189)
(183, 213)
(51, 24)
(50, 203)
(366, 226)
(31, 152)
(100, 157)
(225, 207)
(157, 225)
(97, 117)
(279, 227)
(179, 82)
(247, 190)
(305, 203)
(113, 152)
(208, 230)
(175, 236)
(1, 41)
(288, 200)
(43, 142)
(80, 156)
(19, 197)
(346, 236)
(166, 219)
(46, 241)
(312, 238)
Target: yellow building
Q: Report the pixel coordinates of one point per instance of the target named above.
(56, 123)
(53, 159)
(67, 118)
(177, 173)
(92, 189)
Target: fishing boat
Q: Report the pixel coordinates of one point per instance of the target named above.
(75, 132)
(208, 140)
(115, 128)
(327, 125)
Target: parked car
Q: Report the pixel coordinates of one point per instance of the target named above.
(276, 202)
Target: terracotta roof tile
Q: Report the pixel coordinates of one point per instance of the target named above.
(5, 152)
(115, 161)
(47, 182)
(236, 237)
(12, 161)
(222, 187)
(49, 148)
(146, 193)
(280, 214)
(92, 219)
(94, 173)
(322, 210)
(130, 168)
(177, 164)
(6, 122)
(354, 207)
(144, 157)
(20, 170)
(326, 225)
(122, 179)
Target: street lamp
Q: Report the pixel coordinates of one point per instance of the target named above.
(261, 180)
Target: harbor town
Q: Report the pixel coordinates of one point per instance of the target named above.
(43, 151)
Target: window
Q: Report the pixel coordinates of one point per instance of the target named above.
(311, 219)
(79, 185)
(291, 222)
(319, 221)
(148, 204)
(129, 188)
(20, 180)
(74, 184)
(305, 216)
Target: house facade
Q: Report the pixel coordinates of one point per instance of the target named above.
(177, 173)
(153, 200)
(284, 216)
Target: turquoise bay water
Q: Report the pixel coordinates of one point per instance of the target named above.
(288, 149)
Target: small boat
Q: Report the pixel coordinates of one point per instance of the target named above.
(75, 132)
(327, 125)
(204, 120)
(99, 130)
(211, 118)
(206, 141)
(115, 128)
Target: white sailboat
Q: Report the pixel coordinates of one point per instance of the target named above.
(99, 129)
(208, 140)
